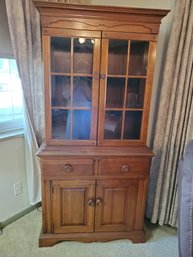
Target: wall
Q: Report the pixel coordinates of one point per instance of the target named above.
(5, 41)
(132, 3)
(12, 153)
(12, 170)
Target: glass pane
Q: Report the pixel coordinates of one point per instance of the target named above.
(82, 91)
(115, 92)
(138, 58)
(11, 98)
(83, 55)
(60, 54)
(113, 123)
(6, 107)
(132, 127)
(61, 124)
(60, 91)
(117, 60)
(17, 108)
(135, 93)
(81, 124)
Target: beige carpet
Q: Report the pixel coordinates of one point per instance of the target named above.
(20, 239)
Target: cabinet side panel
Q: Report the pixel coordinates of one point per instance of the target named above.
(149, 82)
(46, 59)
(46, 207)
(130, 212)
(140, 208)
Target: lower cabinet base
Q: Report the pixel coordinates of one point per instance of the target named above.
(52, 239)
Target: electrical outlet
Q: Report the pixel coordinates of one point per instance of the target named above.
(17, 188)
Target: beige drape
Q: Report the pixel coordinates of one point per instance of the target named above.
(24, 26)
(174, 126)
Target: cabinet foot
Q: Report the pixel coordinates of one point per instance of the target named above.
(52, 239)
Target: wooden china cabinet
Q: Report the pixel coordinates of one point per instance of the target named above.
(98, 73)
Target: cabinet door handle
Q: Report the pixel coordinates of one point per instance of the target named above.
(91, 202)
(67, 167)
(103, 76)
(96, 75)
(125, 168)
(99, 202)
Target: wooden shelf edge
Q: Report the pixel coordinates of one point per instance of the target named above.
(96, 151)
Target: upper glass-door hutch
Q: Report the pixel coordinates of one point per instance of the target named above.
(97, 87)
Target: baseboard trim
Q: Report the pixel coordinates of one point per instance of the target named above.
(19, 215)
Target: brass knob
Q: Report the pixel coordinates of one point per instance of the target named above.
(125, 168)
(67, 167)
(99, 202)
(91, 202)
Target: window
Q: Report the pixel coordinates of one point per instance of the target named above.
(11, 104)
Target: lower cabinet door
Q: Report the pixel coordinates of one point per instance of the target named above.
(116, 202)
(73, 206)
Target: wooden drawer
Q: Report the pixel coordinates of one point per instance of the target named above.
(68, 167)
(124, 166)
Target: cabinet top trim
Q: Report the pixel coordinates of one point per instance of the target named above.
(102, 8)
(82, 10)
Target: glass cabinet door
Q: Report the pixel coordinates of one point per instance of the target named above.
(73, 85)
(123, 84)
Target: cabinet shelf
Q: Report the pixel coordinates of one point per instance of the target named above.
(126, 76)
(90, 75)
(60, 74)
(124, 109)
(69, 108)
(71, 74)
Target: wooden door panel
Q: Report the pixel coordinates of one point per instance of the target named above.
(70, 209)
(113, 210)
(119, 201)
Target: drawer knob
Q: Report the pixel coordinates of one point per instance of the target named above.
(125, 168)
(91, 202)
(99, 202)
(67, 167)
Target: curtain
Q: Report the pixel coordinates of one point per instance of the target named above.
(26, 41)
(24, 26)
(185, 202)
(174, 127)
